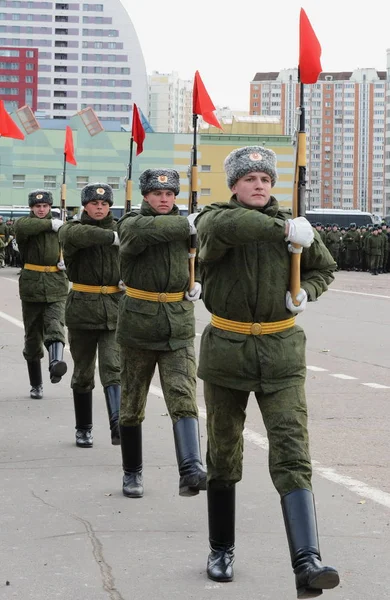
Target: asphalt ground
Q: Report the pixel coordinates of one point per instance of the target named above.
(67, 532)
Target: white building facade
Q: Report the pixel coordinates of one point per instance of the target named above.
(345, 126)
(89, 55)
(170, 103)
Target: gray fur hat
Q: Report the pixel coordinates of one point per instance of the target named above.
(40, 196)
(97, 191)
(250, 158)
(159, 179)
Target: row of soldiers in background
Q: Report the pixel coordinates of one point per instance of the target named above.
(9, 254)
(365, 248)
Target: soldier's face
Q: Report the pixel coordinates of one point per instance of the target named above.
(41, 209)
(253, 189)
(97, 209)
(161, 201)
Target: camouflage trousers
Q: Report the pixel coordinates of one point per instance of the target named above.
(352, 259)
(375, 262)
(285, 418)
(84, 344)
(43, 324)
(177, 370)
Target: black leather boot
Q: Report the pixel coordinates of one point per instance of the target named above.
(57, 367)
(193, 475)
(35, 376)
(131, 446)
(113, 402)
(311, 576)
(83, 414)
(221, 510)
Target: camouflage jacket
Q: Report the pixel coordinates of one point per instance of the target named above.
(333, 239)
(374, 245)
(154, 257)
(245, 268)
(4, 232)
(39, 245)
(91, 259)
(352, 240)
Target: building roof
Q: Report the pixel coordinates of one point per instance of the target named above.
(336, 75)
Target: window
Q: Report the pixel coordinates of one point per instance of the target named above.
(50, 182)
(205, 191)
(29, 67)
(82, 181)
(113, 182)
(205, 168)
(30, 54)
(29, 79)
(18, 181)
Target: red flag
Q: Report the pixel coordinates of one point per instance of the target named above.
(202, 104)
(69, 147)
(137, 130)
(8, 127)
(309, 51)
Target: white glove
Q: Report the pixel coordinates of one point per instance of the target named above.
(294, 250)
(122, 285)
(61, 265)
(56, 224)
(116, 239)
(195, 293)
(300, 232)
(301, 298)
(191, 218)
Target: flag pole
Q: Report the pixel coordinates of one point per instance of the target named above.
(193, 201)
(298, 194)
(63, 192)
(129, 183)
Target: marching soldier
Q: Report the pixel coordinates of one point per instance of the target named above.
(253, 344)
(43, 288)
(156, 327)
(92, 262)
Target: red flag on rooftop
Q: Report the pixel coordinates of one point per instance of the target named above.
(309, 51)
(137, 130)
(69, 147)
(202, 104)
(8, 127)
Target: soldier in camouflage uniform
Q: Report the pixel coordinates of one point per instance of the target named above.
(253, 345)
(92, 262)
(321, 232)
(43, 288)
(156, 326)
(4, 233)
(383, 236)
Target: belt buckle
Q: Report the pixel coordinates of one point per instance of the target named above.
(103, 289)
(256, 329)
(162, 297)
(47, 270)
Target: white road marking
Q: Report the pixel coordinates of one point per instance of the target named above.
(311, 368)
(358, 293)
(342, 376)
(13, 280)
(378, 386)
(354, 485)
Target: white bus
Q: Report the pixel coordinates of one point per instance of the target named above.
(343, 218)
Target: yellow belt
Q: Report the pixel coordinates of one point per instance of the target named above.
(252, 328)
(155, 296)
(2, 234)
(41, 268)
(96, 289)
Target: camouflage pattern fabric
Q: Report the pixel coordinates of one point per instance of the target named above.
(177, 369)
(43, 324)
(83, 347)
(285, 418)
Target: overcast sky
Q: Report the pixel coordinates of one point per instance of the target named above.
(228, 42)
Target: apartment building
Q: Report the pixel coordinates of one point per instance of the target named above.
(170, 103)
(345, 125)
(19, 77)
(88, 55)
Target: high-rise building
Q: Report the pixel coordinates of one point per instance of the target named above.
(170, 103)
(89, 55)
(345, 125)
(19, 77)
